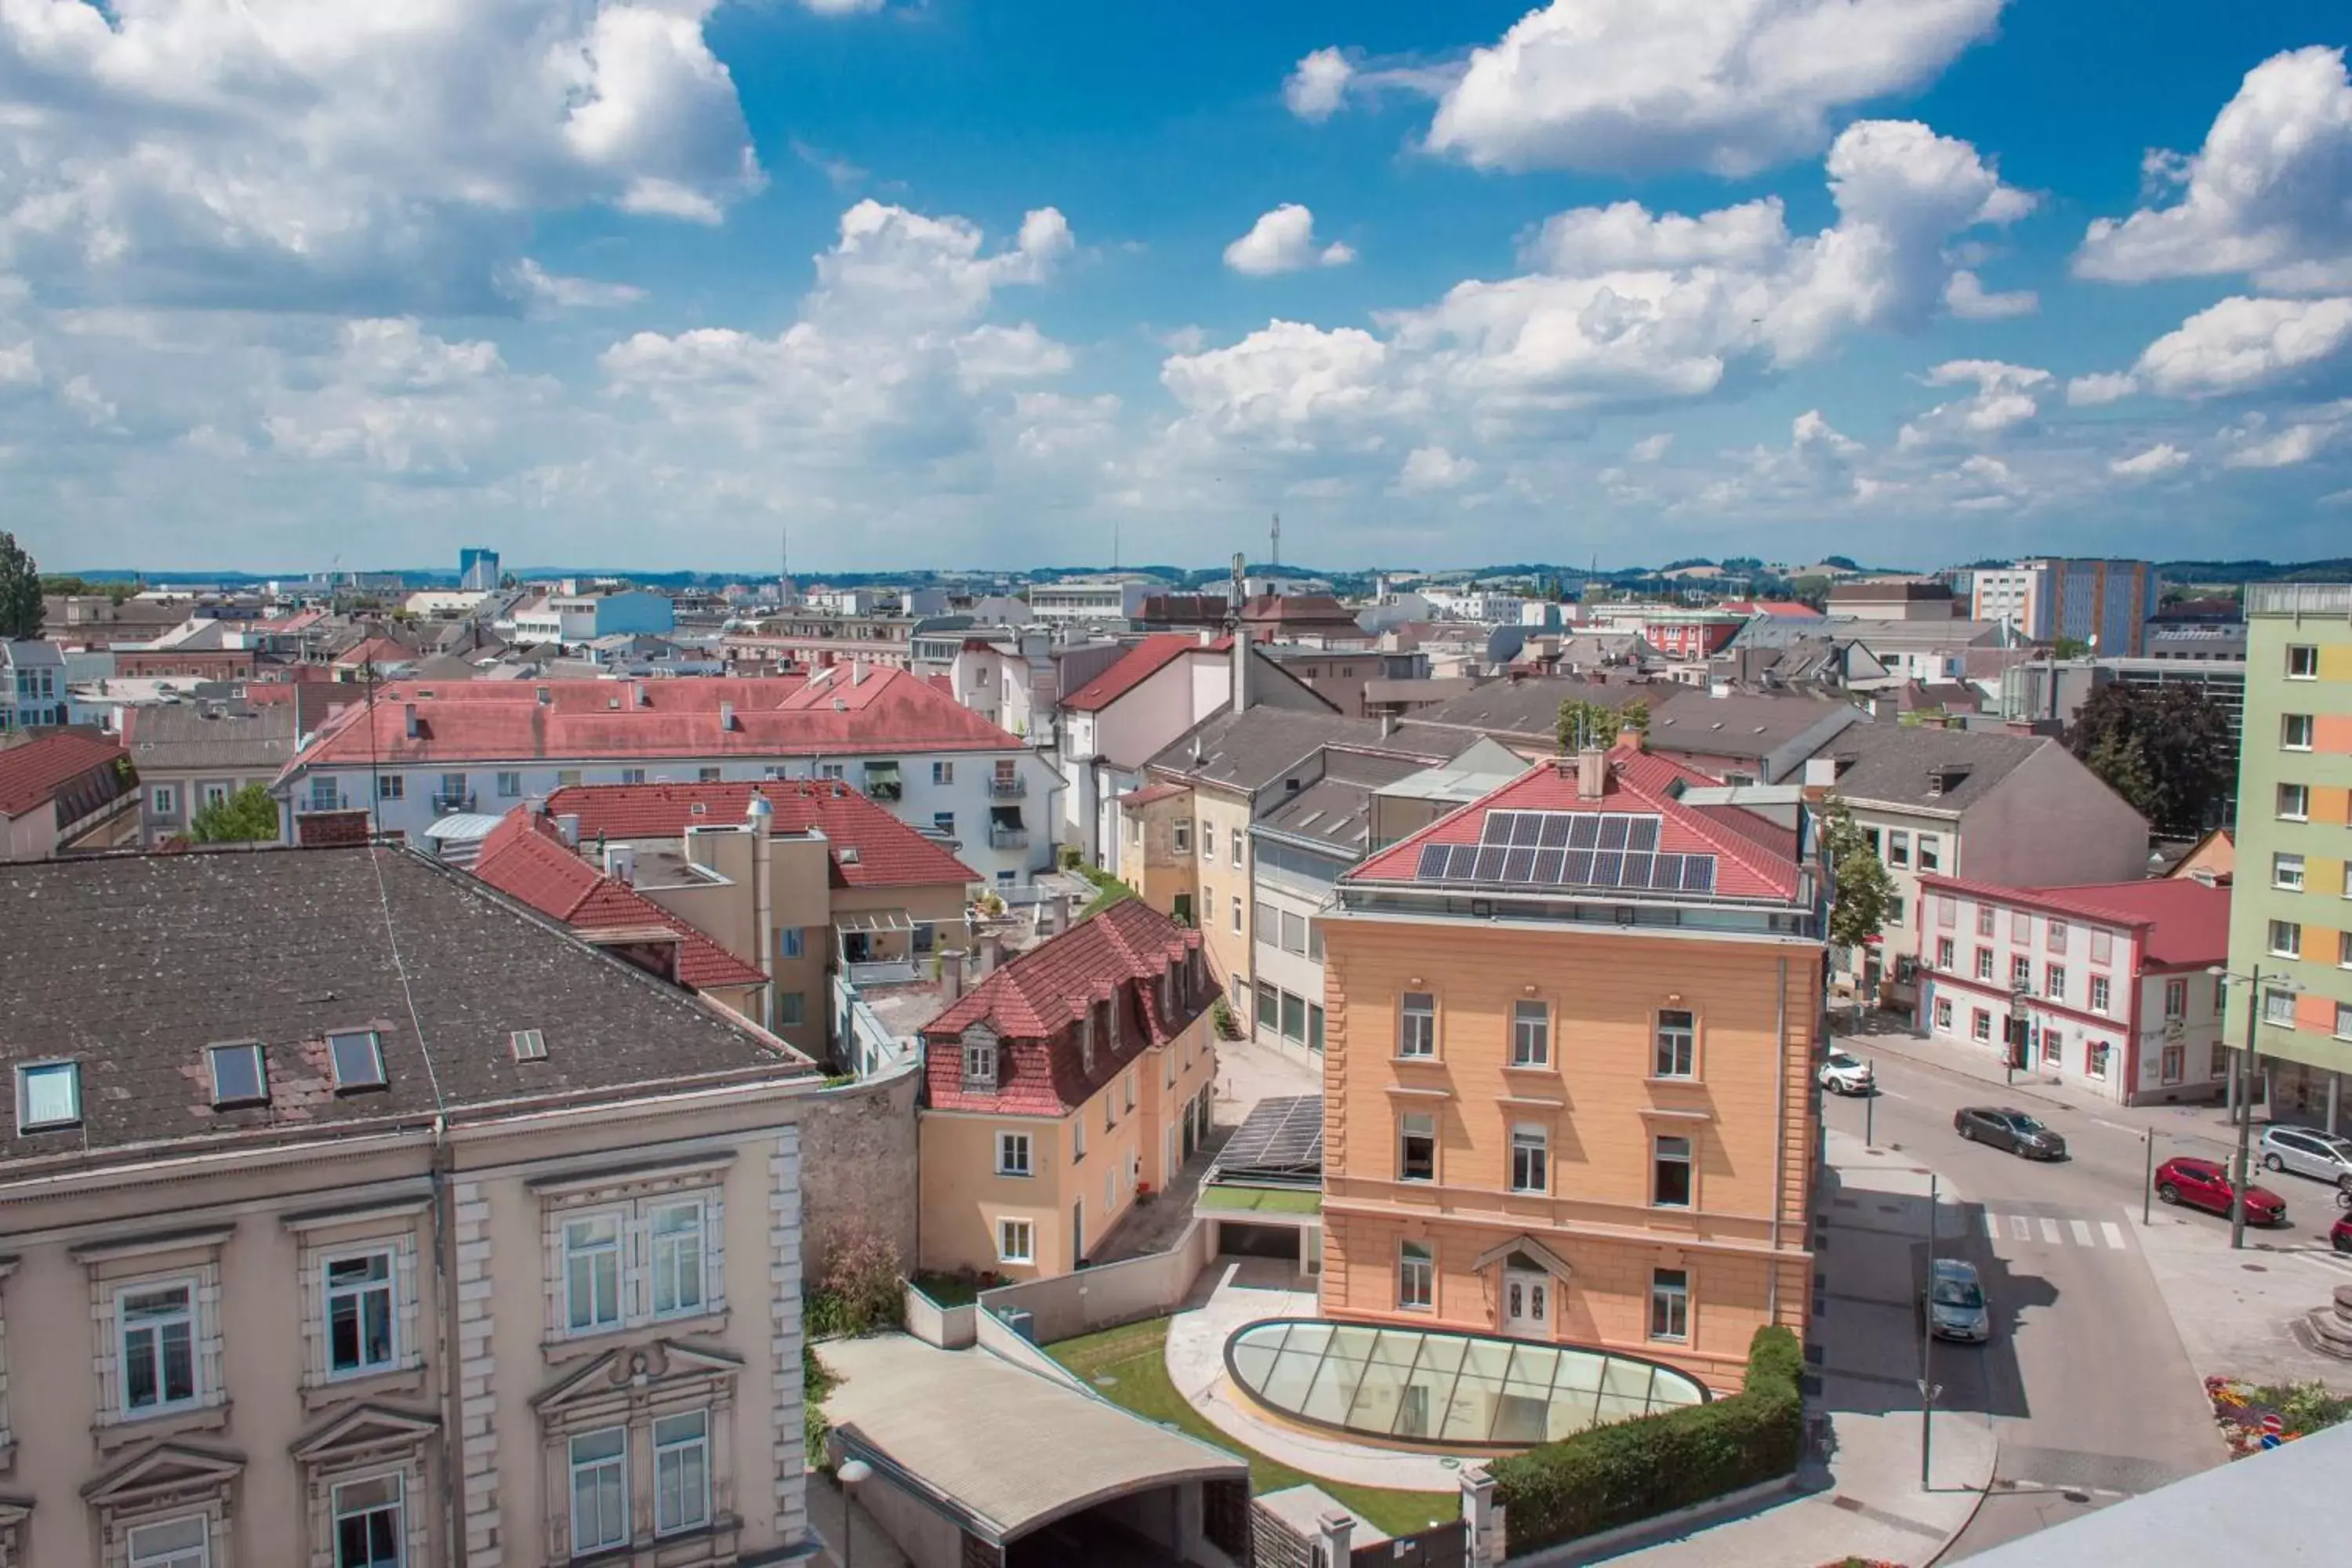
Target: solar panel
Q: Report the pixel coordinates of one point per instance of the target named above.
(1698, 873)
(1434, 860)
(1584, 833)
(1519, 866)
(1279, 1137)
(1608, 868)
(1490, 864)
(1612, 831)
(1548, 866)
(1555, 829)
(1578, 872)
(1643, 833)
(1569, 849)
(1527, 829)
(1637, 870)
(1668, 872)
(1498, 829)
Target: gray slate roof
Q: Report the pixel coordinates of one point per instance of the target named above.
(1528, 707)
(1335, 811)
(133, 964)
(1892, 765)
(1257, 748)
(244, 740)
(1739, 724)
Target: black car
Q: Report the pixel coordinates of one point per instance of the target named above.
(2004, 1128)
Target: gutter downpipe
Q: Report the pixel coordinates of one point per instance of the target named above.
(1780, 1144)
(445, 1280)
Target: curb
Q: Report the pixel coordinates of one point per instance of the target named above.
(1983, 1492)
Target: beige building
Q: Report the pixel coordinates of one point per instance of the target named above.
(1067, 1085)
(375, 1223)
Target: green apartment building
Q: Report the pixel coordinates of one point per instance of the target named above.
(2291, 902)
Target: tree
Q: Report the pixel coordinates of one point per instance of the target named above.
(2166, 748)
(20, 593)
(1864, 891)
(248, 816)
(2071, 648)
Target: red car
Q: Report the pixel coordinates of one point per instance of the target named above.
(2205, 1184)
(2342, 1235)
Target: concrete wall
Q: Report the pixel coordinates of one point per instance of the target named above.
(1115, 1293)
(949, 1328)
(858, 1164)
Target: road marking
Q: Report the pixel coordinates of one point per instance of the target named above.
(2116, 1125)
(2050, 1232)
(1992, 1225)
(2081, 1232)
(2020, 1228)
(2113, 1232)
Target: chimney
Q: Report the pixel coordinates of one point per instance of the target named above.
(644, 698)
(1719, 689)
(1592, 774)
(621, 863)
(408, 718)
(1388, 725)
(857, 673)
(567, 827)
(545, 697)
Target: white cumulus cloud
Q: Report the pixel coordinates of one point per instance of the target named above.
(2161, 458)
(2006, 402)
(1317, 85)
(1283, 240)
(1966, 297)
(1433, 469)
(2243, 344)
(2100, 387)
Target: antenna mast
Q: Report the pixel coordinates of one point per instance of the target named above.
(1274, 563)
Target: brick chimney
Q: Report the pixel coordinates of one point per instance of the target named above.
(1592, 774)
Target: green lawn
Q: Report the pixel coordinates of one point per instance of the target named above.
(1266, 1200)
(1135, 1355)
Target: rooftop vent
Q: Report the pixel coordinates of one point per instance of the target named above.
(529, 1046)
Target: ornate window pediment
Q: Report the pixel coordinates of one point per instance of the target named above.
(653, 1368)
(167, 1470)
(364, 1431)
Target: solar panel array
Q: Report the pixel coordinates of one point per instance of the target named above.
(1569, 849)
(1283, 1136)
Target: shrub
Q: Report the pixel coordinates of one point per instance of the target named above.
(1633, 1470)
(860, 1289)
(814, 1427)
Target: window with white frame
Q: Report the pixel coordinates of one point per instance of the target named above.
(1417, 1025)
(390, 787)
(1984, 964)
(1980, 1025)
(1530, 1034)
(2344, 1020)
(2096, 1056)
(369, 1524)
(2286, 939)
(1208, 840)
(600, 1489)
(510, 784)
(2344, 948)
(1943, 1014)
(1670, 1172)
(2295, 803)
(2020, 926)
(592, 1272)
(1237, 914)
(943, 772)
(165, 800)
(2302, 662)
(676, 1248)
(48, 1095)
(1946, 953)
(2286, 872)
(978, 1059)
(1180, 835)
(1417, 1147)
(1015, 1241)
(2053, 982)
(1012, 1154)
(2295, 731)
(363, 1312)
(2103, 946)
(1234, 838)
(1677, 1042)
(2176, 999)
(1984, 919)
(1931, 855)
(1530, 1158)
(155, 1347)
(2020, 972)
(2099, 993)
(1416, 1276)
(2278, 1008)
(681, 1472)
(182, 1542)
(1669, 1304)
(2054, 936)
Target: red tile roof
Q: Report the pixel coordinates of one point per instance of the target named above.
(1138, 665)
(1786, 610)
(1033, 1002)
(1754, 857)
(32, 775)
(2187, 923)
(1152, 794)
(523, 858)
(889, 853)
(891, 711)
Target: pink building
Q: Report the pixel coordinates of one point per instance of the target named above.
(2103, 984)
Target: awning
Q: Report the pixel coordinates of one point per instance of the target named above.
(882, 772)
(874, 921)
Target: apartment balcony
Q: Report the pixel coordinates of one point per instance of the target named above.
(1008, 839)
(883, 971)
(449, 804)
(1014, 788)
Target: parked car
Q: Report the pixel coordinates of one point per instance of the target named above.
(2307, 1152)
(2006, 1128)
(2205, 1184)
(1954, 1304)
(1845, 1073)
(2341, 1234)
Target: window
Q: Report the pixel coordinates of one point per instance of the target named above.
(1530, 1034)
(2020, 972)
(390, 787)
(164, 800)
(2286, 872)
(2295, 803)
(943, 772)
(238, 1075)
(2176, 999)
(2286, 939)
(359, 1314)
(592, 1272)
(2278, 1008)
(600, 1491)
(1015, 1241)
(1077, 1138)
(2096, 1054)
(834, 770)
(705, 775)
(632, 775)
(2020, 926)
(324, 796)
(155, 1339)
(1294, 932)
(368, 1525)
(1984, 964)
(2053, 982)
(1237, 914)
(1208, 841)
(567, 778)
(1417, 1147)
(48, 1094)
(2302, 662)
(1677, 1055)
(792, 1008)
(2344, 948)
(1943, 1014)
(216, 794)
(183, 1543)
(453, 786)
(2344, 1020)
(2099, 995)
(1012, 1154)
(1315, 1010)
(1530, 1160)
(1946, 953)
(1234, 838)
(1981, 1027)
(510, 784)
(1984, 919)
(1898, 847)
(2294, 731)
(790, 943)
(1931, 852)
(943, 822)
(357, 1056)
(1294, 1018)
(1416, 1276)
(2056, 939)
(1417, 1025)
(681, 1472)
(1129, 1087)
(2103, 946)
(1670, 1173)
(1669, 1304)
(1180, 835)
(677, 1259)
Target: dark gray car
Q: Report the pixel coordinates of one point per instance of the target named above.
(2004, 1127)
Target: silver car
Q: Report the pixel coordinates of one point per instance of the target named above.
(1954, 1303)
(2307, 1152)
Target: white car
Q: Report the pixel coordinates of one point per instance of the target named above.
(2307, 1152)
(1845, 1073)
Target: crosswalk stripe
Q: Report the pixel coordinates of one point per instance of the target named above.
(2018, 1228)
(2081, 1232)
(2113, 1233)
(2050, 1232)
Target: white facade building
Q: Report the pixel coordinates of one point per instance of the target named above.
(1092, 599)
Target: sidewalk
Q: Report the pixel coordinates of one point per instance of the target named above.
(2238, 1311)
(1866, 1501)
(869, 1549)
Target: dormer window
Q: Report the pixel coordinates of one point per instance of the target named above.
(357, 1057)
(978, 1059)
(1087, 1044)
(48, 1094)
(239, 1076)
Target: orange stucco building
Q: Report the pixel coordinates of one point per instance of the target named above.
(1569, 1070)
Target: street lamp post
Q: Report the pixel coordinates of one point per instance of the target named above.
(852, 1473)
(2243, 1078)
(1927, 1391)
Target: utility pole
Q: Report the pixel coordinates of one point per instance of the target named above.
(2147, 1185)
(2245, 1114)
(1274, 563)
(1928, 1390)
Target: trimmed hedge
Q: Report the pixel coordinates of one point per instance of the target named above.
(1632, 1470)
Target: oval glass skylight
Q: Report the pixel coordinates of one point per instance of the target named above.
(1446, 1390)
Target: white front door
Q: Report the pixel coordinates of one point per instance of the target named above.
(1527, 1304)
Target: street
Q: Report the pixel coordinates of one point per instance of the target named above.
(2086, 1381)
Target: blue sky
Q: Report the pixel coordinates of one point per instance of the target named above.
(961, 283)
